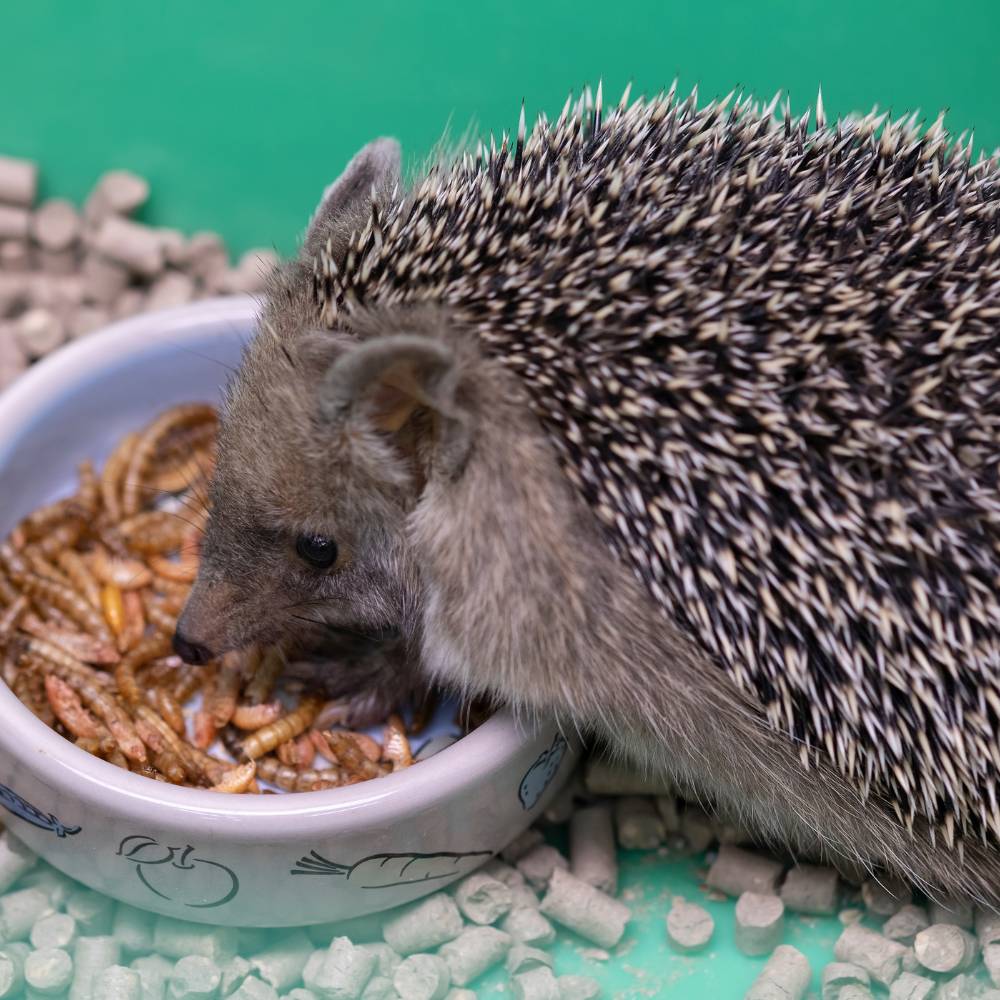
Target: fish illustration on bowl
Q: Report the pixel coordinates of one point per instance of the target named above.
(539, 776)
(385, 871)
(23, 809)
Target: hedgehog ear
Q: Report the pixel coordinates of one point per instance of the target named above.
(386, 381)
(348, 199)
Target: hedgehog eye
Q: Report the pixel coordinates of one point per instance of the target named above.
(316, 550)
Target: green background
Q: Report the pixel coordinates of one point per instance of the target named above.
(240, 114)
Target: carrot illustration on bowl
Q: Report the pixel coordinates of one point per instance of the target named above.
(383, 871)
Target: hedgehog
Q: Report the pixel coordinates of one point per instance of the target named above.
(679, 424)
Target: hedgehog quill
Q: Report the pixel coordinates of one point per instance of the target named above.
(682, 424)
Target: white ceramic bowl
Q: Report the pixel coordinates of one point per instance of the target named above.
(271, 860)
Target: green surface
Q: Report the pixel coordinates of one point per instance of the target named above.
(240, 113)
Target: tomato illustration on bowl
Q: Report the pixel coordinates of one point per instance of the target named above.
(179, 875)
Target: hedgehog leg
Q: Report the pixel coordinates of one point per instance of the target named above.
(371, 682)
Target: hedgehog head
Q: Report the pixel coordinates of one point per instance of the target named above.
(327, 440)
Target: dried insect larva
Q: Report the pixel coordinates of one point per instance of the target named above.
(221, 702)
(236, 780)
(40, 520)
(135, 619)
(149, 440)
(289, 779)
(79, 645)
(204, 730)
(7, 593)
(88, 491)
(171, 588)
(29, 688)
(126, 574)
(38, 564)
(50, 655)
(145, 650)
(69, 710)
(190, 680)
(256, 716)
(153, 532)
(61, 597)
(160, 618)
(12, 616)
(145, 770)
(182, 570)
(293, 724)
(113, 609)
(170, 766)
(298, 753)
(170, 711)
(75, 567)
(211, 767)
(350, 757)
(184, 473)
(117, 758)
(100, 701)
(167, 739)
(260, 687)
(111, 476)
(58, 539)
(180, 445)
(395, 744)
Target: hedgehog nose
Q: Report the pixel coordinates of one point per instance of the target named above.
(190, 652)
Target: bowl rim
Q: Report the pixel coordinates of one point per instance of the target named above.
(83, 776)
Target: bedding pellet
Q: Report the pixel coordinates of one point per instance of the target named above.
(592, 914)
(736, 871)
(522, 958)
(785, 976)
(536, 984)
(343, 972)
(945, 948)
(53, 930)
(879, 956)
(811, 889)
(379, 987)
(15, 861)
(422, 977)
(883, 897)
(194, 977)
(236, 970)
(433, 921)
(48, 971)
(760, 923)
(281, 963)
(906, 923)
(91, 956)
(539, 864)
(473, 951)
(638, 823)
(592, 855)
(482, 900)
(855, 991)
(253, 988)
(837, 975)
(910, 986)
(12, 961)
(690, 927)
(601, 777)
(118, 983)
(959, 912)
(527, 925)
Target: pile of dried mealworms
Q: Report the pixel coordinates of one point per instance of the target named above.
(90, 590)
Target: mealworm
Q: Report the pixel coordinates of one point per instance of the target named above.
(79, 574)
(145, 650)
(81, 679)
(29, 688)
(88, 491)
(117, 758)
(149, 440)
(190, 680)
(204, 730)
(350, 756)
(395, 744)
(220, 703)
(135, 619)
(160, 618)
(257, 716)
(7, 593)
(170, 766)
(113, 609)
(62, 597)
(12, 616)
(289, 779)
(111, 476)
(153, 532)
(181, 475)
(69, 710)
(62, 537)
(264, 740)
(169, 740)
(182, 570)
(79, 645)
(170, 711)
(260, 687)
(40, 520)
(237, 779)
(39, 565)
(126, 574)
(55, 656)
(297, 753)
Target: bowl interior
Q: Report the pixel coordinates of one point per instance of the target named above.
(77, 404)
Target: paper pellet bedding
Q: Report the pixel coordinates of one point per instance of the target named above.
(66, 271)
